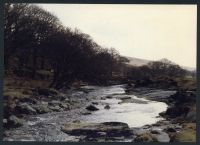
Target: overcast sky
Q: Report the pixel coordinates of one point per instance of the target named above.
(143, 31)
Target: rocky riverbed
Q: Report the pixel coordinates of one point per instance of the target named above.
(91, 113)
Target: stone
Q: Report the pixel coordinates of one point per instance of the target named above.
(44, 103)
(25, 109)
(64, 106)
(46, 92)
(107, 107)
(54, 102)
(101, 133)
(109, 97)
(171, 130)
(56, 108)
(155, 132)
(162, 137)
(86, 113)
(95, 103)
(41, 109)
(14, 121)
(92, 108)
(96, 130)
(145, 137)
(62, 98)
(191, 116)
(28, 99)
(124, 97)
(5, 121)
(153, 136)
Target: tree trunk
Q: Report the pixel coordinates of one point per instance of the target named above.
(34, 67)
(55, 75)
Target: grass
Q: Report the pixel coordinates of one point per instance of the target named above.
(188, 134)
(21, 82)
(15, 87)
(186, 83)
(14, 93)
(44, 72)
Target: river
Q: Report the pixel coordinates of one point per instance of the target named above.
(130, 109)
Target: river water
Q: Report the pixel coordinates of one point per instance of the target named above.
(130, 109)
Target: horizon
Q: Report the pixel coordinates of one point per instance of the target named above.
(190, 68)
(150, 32)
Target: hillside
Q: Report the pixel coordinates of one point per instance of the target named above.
(139, 62)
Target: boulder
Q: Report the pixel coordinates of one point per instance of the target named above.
(107, 107)
(191, 116)
(14, 121)
(5, 121)
(86, 113)
(28, 100)
(92, 108)
(145, 137)
(153, 136)
(170, 129)
(124, 97)
(95, 103)
(64, 106)
(109, 97)
(41, 109)
(54, 103)
(8, 109)
(47, 92)
(56, 108)
(25, 109)
(162, 137)
(94, 131)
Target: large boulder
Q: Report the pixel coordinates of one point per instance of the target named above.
(96, 131)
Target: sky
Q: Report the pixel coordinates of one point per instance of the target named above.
(149, 32)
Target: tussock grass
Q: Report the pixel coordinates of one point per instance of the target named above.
(188, 134)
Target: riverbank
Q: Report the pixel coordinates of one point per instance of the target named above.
(88, 106)
(180, 117)
(90, 113)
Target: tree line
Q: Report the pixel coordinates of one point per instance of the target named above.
(157, 69)
(35, 39)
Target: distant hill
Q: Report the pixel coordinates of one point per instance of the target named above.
(139, 62)
(136, 61)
